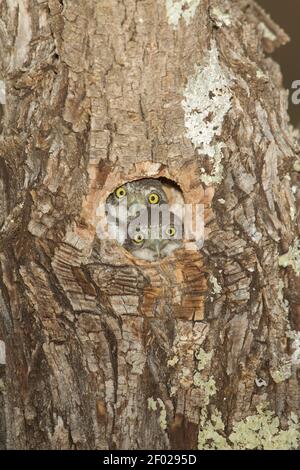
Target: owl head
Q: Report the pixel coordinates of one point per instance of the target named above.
(153, 239)
(138, 195)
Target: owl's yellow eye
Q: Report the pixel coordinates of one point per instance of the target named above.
(171, 232)
(138, 238)
(153, 198)
(120, 192)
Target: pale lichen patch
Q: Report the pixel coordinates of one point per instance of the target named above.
(295, 346)
(266, 32)
(2, 92)
(207, 100)
(261, 75)
(177, 9)
(292, 197)
(297, 166)
(216, 175)
(203, 358)
(282, 372)
(172, 362)
(152, 404)
(163, 415)
(260, 431)
(208, 388)
(284, 302)
(292, 257)
(2, 353)
(220, 18)
(293, 212)
(185, 349)
(207, 385)
(216, 288)
(210, 432)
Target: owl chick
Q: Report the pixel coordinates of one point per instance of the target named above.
(137, 195)
(151, 239)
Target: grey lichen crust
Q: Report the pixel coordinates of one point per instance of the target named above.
(207, 100)
(177, 9)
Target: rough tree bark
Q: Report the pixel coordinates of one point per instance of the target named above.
(103, 352)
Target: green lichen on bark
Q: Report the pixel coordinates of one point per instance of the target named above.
(259, 431)
(262, 431)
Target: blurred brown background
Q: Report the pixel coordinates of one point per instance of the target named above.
(287, 14)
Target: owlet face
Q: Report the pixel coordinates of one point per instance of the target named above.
(138, 195)
(155, 239)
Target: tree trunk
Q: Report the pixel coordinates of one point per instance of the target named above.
(102, 351)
